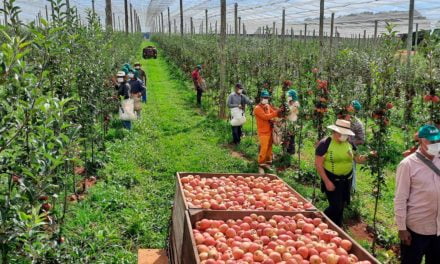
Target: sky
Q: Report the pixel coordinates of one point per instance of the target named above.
(254, 13)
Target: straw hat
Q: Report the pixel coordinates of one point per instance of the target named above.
(342, 127)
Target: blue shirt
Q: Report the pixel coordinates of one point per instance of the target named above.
(136, 86)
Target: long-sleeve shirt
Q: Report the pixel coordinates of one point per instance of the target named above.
(417, 198)
(263, 115)
(235, 100)
(359, 132)
(123, 89)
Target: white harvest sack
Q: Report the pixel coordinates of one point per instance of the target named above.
(126, 110)
(237, 117)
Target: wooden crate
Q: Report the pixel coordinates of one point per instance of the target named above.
(180, 206)
(190, 254)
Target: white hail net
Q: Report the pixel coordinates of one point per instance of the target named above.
(351, 16)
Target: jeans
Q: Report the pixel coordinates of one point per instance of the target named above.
(126, 124)
(421, 245)
(144, 97)
(199, 96)
(236, 134)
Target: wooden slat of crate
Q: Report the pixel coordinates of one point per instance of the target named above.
(181, 206)
(190, 255)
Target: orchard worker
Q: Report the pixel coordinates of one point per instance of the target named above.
(292, 117)
(417, 200)
(236, 103)
(143, 78)
(358, 129)
(264, 113)
(136, 88)
(123, 91)
(334, 158)
(197, 80)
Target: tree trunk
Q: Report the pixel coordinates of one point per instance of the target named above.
(222, 43)
(108, 15)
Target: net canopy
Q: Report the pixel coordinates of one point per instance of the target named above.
(31, 8)
(351, 16)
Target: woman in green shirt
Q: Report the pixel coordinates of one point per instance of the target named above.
(334, 158)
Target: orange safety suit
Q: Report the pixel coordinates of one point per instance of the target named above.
(263, 115)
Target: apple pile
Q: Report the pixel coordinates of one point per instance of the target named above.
(281, 239)
(240, 193)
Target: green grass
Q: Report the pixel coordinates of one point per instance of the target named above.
(130, 207)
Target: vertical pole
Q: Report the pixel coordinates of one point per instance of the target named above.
(53, 11)
(375, 30)
(235, 19)
(119, 24)
(108, 15)
(175, 26)
(192, 26)
(47, 14)
(169, 22)
(417, 36)
(6, 16)
(321, 28)
(332, 23)
(239, 25)
(222, 98)
(126, 15)
(283, 23)
(305, 32)
(273, 29)
(93, 8)
(161, 22)
(114, 21)
(131, 18)
(365, 36)
(206, 21)
(181, 18)
(216, 27)
(67, 10)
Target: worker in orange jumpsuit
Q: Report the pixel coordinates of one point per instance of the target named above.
(264, 112)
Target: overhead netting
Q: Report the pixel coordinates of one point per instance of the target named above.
(351, 16)
(31, 8)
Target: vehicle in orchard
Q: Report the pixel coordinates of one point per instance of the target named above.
(149, 52)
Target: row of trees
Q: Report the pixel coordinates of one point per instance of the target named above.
(55, 106)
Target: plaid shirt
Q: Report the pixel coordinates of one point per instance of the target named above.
(359, 131)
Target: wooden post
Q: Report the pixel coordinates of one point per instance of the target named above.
(239, 25)
(321, 29)
(108, 15)
(222, 70)
(332, 23)
(119, 24)
(273, 29)
(192, 26)
(47, 13)
(305, 32)
(114, 21)
(283, 23)
(236, 19)
(53, 11)
(126, 15)
(67, 10)
(359, 41)
(216, 27)
(365, 36)
(93, 8)
(175, 26)
(375, 30)
(206, 21)
(169, 22)
(4, 13)
(161, 23)
(314, 33)
(417, 36)
(131, 18)
(181, 18)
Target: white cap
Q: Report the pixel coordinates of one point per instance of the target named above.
(120, 74)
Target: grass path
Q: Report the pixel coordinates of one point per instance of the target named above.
(130, 206)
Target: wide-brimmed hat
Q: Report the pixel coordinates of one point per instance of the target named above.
(342, 127)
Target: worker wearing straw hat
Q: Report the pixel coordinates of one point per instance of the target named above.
(334, 158)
